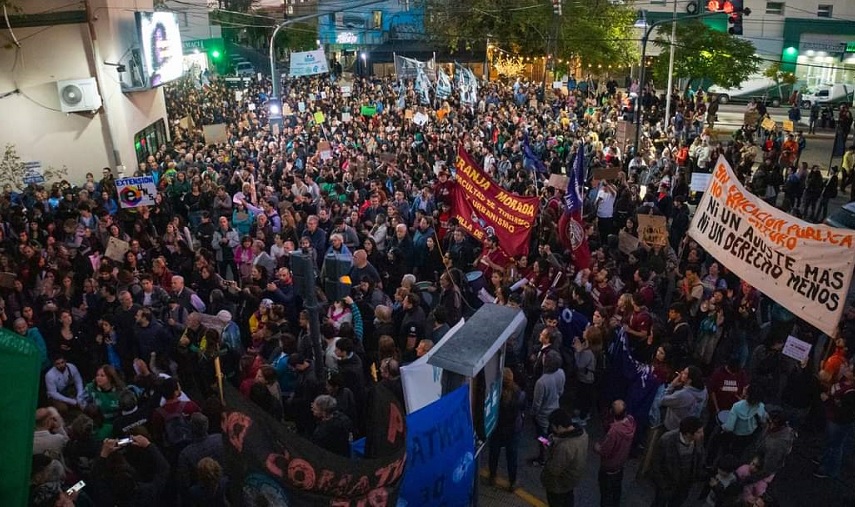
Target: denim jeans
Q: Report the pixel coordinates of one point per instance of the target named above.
(838, 443)
(511, 444)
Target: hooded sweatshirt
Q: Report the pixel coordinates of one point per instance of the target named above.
(682, 402)
(743, 418)
(615, 446)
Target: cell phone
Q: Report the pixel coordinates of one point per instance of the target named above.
(74, 489)
(543, 440)
(125, 442)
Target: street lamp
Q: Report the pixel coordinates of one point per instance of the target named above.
(642, 77)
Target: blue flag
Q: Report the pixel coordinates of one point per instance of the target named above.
(531, 160)
(571, 225)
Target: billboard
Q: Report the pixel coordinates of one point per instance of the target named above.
(162, 51)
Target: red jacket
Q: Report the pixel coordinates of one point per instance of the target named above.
(615, 446)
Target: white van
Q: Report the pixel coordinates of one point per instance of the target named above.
(834, 95)
(756, 87)
(244, 69)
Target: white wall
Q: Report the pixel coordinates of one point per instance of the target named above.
(32, 120)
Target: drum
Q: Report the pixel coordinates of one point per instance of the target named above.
(476, 281)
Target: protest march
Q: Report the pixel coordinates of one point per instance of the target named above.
(233, 322)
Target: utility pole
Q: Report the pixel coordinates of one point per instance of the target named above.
(273, 75)
(552, 41)
(671, 67)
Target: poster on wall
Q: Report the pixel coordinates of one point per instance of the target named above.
(162, 51)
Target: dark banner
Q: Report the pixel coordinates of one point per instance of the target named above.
(484, 208)
(271, 465)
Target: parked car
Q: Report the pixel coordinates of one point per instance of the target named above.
(244, 69)
(843, 218)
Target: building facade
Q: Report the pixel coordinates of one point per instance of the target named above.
(202, 42)
(57, 44)
(815, 39)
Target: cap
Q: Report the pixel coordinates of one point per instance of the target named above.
(224, 316)
(412, 331)
(266, 303)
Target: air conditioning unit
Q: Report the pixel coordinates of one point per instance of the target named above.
(77, 95)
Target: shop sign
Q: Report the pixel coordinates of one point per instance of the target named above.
(850, 47)
(347, 38)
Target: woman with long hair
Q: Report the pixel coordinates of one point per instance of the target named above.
(102, 394)
(508, 429)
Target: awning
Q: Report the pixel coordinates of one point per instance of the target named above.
(468, 351)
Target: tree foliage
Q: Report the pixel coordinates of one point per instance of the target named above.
(703, 53)
(598, 32)
(780, 77)
(13, 170)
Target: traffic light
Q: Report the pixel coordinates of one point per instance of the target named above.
(556, 7)
(735, 18)
(303, 273)
(337, 281)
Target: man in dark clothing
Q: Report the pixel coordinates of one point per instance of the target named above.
(679, 222)
(150, 335)
(306, 388)
(203, 445)
(414, 317)
(678, 462)
(333, 430)
(350, 367)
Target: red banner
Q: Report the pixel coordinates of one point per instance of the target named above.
(485, 208)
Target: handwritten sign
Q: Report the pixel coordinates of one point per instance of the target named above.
(558, 181)
(325, 150)
(797, 349)
(606, 173)
(788, 126)
(805, 267)
(420, 119)
(627, 243)
(768, 124)
(116, 249)
(319, 117)
(653, 229)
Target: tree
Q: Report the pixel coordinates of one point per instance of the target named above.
(599, 32)
(13, 169)
(706, 54)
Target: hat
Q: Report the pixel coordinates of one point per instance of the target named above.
(412, 331)
(266, 303)
(224, 316)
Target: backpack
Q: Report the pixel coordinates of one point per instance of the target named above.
(176, 427)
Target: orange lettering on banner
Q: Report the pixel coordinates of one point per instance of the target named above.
(396, 424)
(715, 189)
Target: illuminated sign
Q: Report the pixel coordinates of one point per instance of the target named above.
(346, 38)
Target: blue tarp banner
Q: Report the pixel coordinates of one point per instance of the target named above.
(440, 453)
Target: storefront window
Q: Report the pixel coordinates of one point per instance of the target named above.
(148, 139)
(819, 68)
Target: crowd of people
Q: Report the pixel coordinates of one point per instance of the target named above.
(668, 351)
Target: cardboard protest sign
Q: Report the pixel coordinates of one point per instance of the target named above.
(215, 134)
(301, 106)
(627, 243)
(653, 229)
(557, 181)
(116, 249)
(319, 117)
(768, 124)
(7, 280)
(408, 114)
(345, 117)
(805, 267)
(788, 126)
(700, 182)
(606, 173)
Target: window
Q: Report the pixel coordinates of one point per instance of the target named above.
(824, 10)
(775, 8)
(182, 19)
(147, 140)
